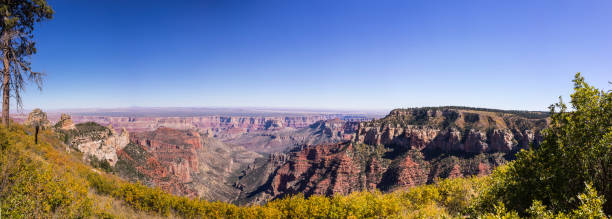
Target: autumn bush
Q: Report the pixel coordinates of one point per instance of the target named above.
(33, 187)
(448, 198)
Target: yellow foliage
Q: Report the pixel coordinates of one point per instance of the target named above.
(32, 186)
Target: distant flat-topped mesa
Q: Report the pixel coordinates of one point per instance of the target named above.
(464, 129)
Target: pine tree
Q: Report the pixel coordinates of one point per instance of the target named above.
(17, 20)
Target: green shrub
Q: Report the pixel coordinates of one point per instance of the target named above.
(577, 148)
(101, 164)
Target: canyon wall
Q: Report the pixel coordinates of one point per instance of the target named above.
(453, 130)
(184, 162)
(279, 140)
(93, 140)
(409, 147)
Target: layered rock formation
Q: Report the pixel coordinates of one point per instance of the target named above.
(96, 141)
(37, 118)
(409, 147)
(454, 130)
(177, 150)
(65, 122)
(184, 162)
(278, 140)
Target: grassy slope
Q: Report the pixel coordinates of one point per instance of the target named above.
(45, 180)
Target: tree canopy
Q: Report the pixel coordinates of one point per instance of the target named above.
(576, 152)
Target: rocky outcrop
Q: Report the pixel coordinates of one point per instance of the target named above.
(65, 122)
(95, 141)
(37, 118)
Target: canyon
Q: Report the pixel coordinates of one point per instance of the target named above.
(194, 156)
(184, 162)
(252, 160)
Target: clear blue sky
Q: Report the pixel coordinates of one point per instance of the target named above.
(320, 54)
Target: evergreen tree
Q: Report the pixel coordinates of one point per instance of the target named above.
(17, 20)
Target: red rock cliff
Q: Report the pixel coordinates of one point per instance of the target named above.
(407, 148)
(184, 163)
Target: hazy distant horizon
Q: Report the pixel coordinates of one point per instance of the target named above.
(202, 111)
(139, 111)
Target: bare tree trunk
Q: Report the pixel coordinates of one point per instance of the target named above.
(5, 90)
(36, 135)
(6, 73)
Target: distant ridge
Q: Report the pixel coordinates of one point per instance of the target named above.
(212, 111)
(524, 113)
